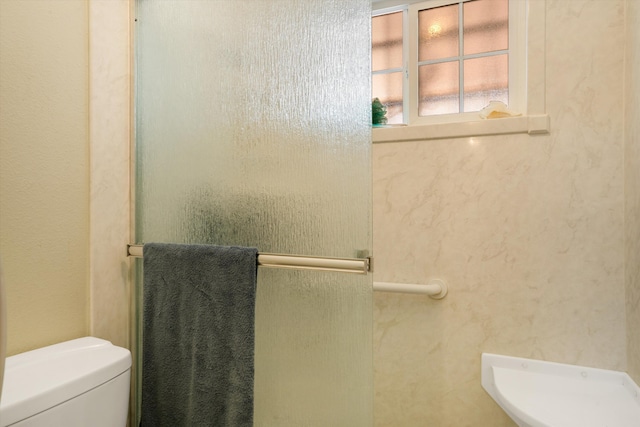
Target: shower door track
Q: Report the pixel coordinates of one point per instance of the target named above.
(298, 262)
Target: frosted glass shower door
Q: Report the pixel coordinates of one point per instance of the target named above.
(253, 129)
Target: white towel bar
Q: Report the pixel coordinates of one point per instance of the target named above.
(436, 288)
(300, 262)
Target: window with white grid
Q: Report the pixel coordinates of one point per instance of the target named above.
(440, 61)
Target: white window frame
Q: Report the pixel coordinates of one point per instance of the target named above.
(526, 70)
(404, 9)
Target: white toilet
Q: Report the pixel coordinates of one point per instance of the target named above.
(546, 394)
(78, 383)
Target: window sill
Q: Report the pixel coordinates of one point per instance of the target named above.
(532, 125)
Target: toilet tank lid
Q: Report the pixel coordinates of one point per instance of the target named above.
(40, 379)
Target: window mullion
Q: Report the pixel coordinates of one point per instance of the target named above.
(412, 65)
(388, 71)
(470, 56)
(461, 56)
(406, 34)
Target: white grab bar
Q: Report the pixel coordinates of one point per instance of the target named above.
(436, 288)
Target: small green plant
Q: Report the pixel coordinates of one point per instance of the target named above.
(378, 112)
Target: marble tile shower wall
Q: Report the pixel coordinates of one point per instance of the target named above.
(528, 231)
(632, 188)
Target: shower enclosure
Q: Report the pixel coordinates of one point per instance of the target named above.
(253, 129)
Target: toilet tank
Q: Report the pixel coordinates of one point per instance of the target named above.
(78, 383)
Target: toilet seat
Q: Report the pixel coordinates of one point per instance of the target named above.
(545, 394)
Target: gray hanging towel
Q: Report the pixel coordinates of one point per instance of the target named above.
(198, 335)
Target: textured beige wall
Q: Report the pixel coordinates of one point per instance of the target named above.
(110, 76)
(632, 187)
(527, 231)
(44, 169)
